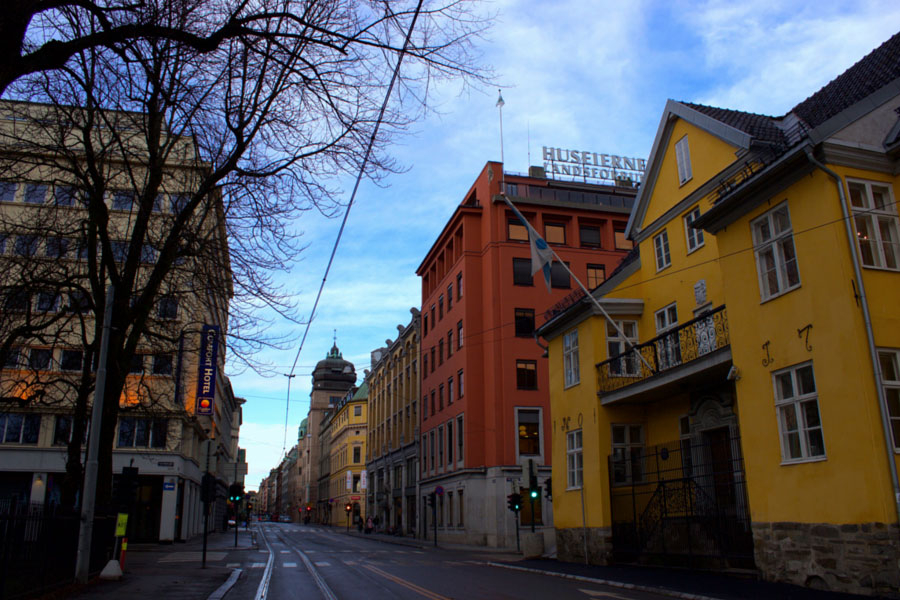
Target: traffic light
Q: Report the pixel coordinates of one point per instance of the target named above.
(535, 492)
(308, 508)
(348, 507)
(208, 488)
(548, 488)
(249, 507)
(126, 490)
(514, 502)
(235, 493)
(431, 499)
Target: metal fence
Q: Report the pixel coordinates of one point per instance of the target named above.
(687, 342)
(38, 548)
(682, 503)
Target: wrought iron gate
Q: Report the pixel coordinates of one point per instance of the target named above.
(682, 503)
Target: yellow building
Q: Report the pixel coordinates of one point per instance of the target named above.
(346, 431)
(751, 424)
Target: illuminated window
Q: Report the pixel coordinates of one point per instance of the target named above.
(526, 374)
(555, 233)
(528, 424)
(515, 230)
(596, 274)
(875, 217)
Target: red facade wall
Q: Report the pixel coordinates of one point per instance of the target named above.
(474, 243)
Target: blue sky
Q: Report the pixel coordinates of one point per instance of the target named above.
(589, 75)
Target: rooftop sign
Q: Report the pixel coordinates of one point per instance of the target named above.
(592, 165)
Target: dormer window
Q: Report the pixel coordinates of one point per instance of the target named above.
(683, 158)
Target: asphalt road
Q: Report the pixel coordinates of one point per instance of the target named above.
(312, 562)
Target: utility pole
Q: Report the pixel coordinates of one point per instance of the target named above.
(89, 499)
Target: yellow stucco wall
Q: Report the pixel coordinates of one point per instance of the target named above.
(851, 485)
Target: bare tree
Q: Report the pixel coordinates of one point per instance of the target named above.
(191, 134)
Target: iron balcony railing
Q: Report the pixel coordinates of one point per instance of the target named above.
(681, 345)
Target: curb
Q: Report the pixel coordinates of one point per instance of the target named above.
(618, 584)
(226, 587)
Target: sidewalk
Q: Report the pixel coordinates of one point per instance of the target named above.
(169, 571)
(670, 582)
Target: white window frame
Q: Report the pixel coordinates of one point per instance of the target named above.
(683, 160)
(795, 404)
(574, 460)
(570, 359)
(668, 349)
(881, 222)
(540, 424)
(624, 450)
(891, 387)
(661, 250)
(693, 237)
(775, 245)
(629, 365)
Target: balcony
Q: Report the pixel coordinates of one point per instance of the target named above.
(696, 351)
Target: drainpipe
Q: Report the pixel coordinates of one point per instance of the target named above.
(873, 354)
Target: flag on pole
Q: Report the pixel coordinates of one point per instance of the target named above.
(541, 254)
(500, 101)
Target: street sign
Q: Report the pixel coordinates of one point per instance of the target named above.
(121, 524)
(349, 480)
(363, 476)
(168, 485)
(355, 498)
(439, 490)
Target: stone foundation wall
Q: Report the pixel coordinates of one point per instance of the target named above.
(570, 545)
(860, 559)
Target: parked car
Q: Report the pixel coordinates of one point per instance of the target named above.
(284, 519)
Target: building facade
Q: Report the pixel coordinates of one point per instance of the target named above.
(332, 378)
(393, 448)
(346, 432)
(485, 415)
(46, 278)
(753, 424)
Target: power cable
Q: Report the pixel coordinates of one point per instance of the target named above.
(362, 169)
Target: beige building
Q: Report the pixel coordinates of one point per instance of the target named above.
(393, 430)
(332, 378)
(50, 261)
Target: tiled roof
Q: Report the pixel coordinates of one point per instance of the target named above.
(874, 71)
(761, 127)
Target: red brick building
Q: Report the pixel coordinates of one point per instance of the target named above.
(485, 400)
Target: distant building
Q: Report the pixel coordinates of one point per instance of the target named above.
(485, 391)
(345, 430)
(392, 451)
(332, 378)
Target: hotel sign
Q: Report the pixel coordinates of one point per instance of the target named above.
(593, 165)
(206, 371)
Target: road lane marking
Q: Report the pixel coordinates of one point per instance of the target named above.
(257, 565)
(263, 590)
(407, 584)
(285, 551)
(289, 565)
(323, 564)
(600, 594)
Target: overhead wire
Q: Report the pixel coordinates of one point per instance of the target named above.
(359, 176)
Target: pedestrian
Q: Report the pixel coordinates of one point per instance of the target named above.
(370, 524)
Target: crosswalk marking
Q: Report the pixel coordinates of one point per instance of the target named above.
(285, 551)
(323, 564)
(232, 565)
(257, 565)
(290, 565)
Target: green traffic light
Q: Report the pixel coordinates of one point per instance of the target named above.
(534, 493)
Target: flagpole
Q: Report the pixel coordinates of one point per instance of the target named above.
(533, 233)
(500, 104)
